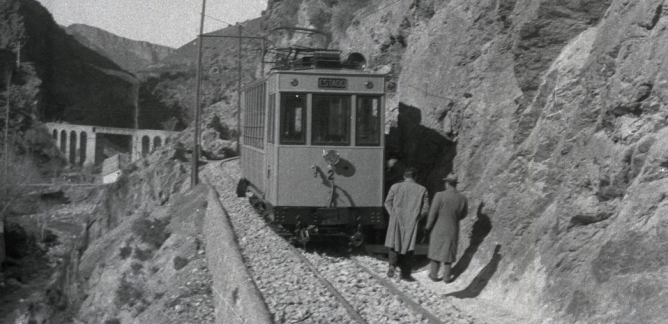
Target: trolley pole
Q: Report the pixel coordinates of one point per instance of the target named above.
(196, 136)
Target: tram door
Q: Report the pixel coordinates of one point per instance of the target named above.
(270, 150)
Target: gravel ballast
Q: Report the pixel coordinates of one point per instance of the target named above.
(292, 291)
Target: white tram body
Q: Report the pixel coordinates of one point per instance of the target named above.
(312, 148)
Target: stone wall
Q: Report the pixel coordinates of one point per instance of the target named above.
(237, 298)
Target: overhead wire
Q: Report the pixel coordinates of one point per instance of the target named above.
(252, 5)
(219, 20)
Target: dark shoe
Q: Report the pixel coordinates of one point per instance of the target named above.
(408, 278)
(433, 278)
(390, 273)
(450, 280)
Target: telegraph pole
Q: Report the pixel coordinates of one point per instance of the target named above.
(8, 74)
(239, 74)
(196, 139)
(239, 93)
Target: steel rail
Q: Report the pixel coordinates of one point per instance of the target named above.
(351, 310)
(403, 297)
(414, 306)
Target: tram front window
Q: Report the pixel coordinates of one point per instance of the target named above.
(293, 110)
(368, 121)
(331, 120)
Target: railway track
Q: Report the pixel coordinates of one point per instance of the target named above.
(366, 294)
(324, 286)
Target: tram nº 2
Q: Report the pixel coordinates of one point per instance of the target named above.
(312, 146)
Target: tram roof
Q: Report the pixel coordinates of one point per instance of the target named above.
(336, 72)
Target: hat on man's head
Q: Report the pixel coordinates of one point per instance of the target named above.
(452, 178)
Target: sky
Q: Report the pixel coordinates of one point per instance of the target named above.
(165, 22)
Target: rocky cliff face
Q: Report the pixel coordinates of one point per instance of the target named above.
(129, 54)
(553, 114)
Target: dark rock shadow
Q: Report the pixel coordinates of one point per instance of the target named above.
(480, 281)
(424, 148)
(413, 145)
(481, 229)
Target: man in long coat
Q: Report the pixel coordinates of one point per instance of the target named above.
(407, 202)
(447, 209)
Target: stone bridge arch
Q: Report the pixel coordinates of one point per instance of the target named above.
(78, 142)
(147, 141)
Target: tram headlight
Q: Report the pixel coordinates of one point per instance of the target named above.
(332, 156)
(369, 85)
(294, 82)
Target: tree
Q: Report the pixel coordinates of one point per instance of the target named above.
(11, 24)
(13, 180)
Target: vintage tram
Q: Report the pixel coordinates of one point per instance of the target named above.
(312, 145)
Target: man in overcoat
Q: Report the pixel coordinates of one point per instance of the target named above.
(407, 202)
(447, 209)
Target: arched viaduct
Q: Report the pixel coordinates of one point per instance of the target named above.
(78, 142)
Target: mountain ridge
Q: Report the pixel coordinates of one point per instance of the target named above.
(131, 55)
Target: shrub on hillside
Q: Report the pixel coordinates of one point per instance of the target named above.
(125, 252)
(151, 231)
(319, 16)
(180, 262)
(128, 293)
(14, 175)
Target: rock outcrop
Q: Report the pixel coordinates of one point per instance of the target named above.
(554, 115)
(140, 257)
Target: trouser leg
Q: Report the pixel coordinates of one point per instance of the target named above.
(406, 264)
(393, 258)
(447, 267)
(434, 265)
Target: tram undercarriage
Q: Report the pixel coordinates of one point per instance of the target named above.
(301, 225)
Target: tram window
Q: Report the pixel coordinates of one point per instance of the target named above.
(368, 121)
(331, 120)
(293, 111)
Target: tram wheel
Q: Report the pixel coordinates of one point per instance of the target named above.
(357, 239)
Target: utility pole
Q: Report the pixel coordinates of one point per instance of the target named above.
(239, 93)
(8, 75)
(239, 73)
(196, 139)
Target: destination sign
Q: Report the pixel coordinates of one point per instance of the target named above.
(332, 83)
